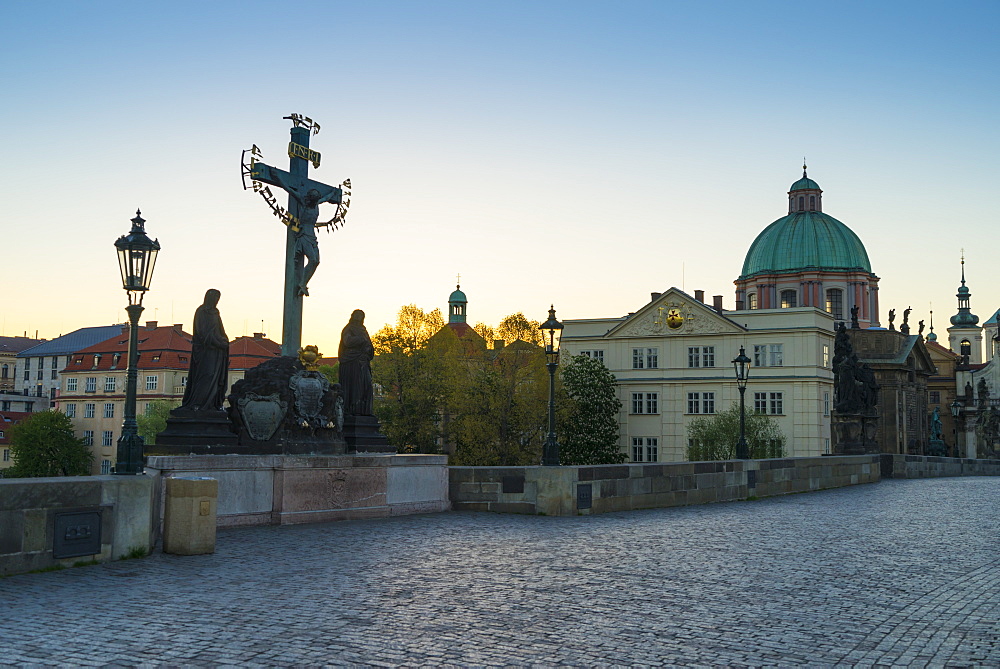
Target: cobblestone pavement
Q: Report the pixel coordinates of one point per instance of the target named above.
(894, 573)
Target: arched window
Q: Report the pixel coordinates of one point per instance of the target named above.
(789, 298)
(812, 203)
(802, 202)
(752, 301)
(835, 302)
(965, 347)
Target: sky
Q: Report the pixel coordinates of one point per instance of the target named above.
(581, 154)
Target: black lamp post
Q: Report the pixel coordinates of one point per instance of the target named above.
(552, 334)
(742, 366)
(956, 411)
(136, 258)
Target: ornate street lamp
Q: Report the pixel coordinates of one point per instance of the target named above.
(956, 411)
(742, 366)
(136, 259)
(551, 334)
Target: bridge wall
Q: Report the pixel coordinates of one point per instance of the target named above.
(580, 490)
(923, 466)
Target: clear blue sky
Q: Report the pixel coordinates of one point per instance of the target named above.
(580, 153)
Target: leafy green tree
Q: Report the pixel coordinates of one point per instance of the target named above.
(43, 444)
(414, 371)
(500, 408)
(517, 327)
(714, 437)
(588, 429)
(154, 420)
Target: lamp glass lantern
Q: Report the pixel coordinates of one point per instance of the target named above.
(552, 331)
(956, 408)
(742, 366)
(136, 259)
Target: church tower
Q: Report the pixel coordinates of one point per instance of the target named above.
(457, 303)
(965, 336)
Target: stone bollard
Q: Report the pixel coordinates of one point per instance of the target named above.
(189, 517)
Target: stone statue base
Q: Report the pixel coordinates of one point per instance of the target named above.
(196, 433)
(281, 408)
(854, 434)
(363, 436)
(938, 448)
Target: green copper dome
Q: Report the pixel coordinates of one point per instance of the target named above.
(805, 240)
(804, 183)
(457, 296)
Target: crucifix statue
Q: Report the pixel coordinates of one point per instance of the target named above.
(304, 198)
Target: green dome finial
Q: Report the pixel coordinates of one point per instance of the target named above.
(457, 304)
(964, 317)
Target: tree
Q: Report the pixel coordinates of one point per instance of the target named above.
(517, 327)
(588, 430)
(43, 444)
(154, 421)
(714, 437)
(500, 408)
(413, 371)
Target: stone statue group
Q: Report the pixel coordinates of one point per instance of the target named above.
(208, 378)
(855, 387)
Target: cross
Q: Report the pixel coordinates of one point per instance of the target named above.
(304, 198)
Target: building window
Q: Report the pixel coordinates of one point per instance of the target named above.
(88, 437)
(645, 403)
(71, 385)
(752, 301)
(789, 299)
(590, 354)
(152, 382)
(935, 397)
(109, 410)
(826, 404)
(27, 374)
(701, 356)
(768, 355)
(812, 203)
(91, 384)
(826, 355)
(965, 347)
(645, 449)
(88, 410)
(699, 403)
(760, 402)
(105, 466)
(55, 362)
(52, 393)
(29, 407)
(645, 358)
(5, 372)
(54, 375)
(38, 375)
(6, 452)
(110, 384)
(802, 203)
(835, 302)
(777, 404)
(71, 411)
(27, 364)
(108, 438)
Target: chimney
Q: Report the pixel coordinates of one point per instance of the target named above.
(700, 296)
(717, 302)
(739, 305)
(653, 297)
(178, 326)
(258, 335)
(150, 324)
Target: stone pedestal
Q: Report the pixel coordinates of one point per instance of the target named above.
(937, 448)
(362, 435)
(189, 518)
(197, 433)
(854, 434)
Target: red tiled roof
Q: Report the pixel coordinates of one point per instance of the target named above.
(166, 347)
(248, 352)
(7, 420)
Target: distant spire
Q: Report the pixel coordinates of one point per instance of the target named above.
(963, 267)
(804, 167)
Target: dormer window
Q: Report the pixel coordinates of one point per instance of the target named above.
(115, 359)
(97, 360)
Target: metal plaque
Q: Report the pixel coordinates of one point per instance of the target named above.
(76, 534)
(262, 415)
(584, 495)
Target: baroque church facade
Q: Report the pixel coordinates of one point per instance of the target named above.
(803, 274)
